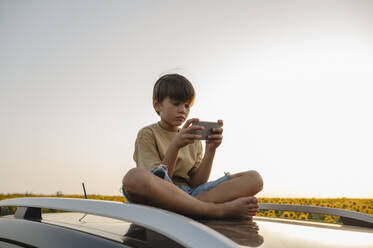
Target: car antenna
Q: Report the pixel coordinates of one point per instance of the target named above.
(85, 195)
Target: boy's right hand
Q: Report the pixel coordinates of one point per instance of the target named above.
(185, 135)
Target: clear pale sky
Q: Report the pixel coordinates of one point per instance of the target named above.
(292, 81)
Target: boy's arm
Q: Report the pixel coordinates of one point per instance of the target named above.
(183, 138)
(201, 174)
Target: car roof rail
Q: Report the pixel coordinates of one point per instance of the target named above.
(348, 217)
(181, 229)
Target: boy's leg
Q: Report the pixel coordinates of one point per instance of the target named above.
(239, 185)
(143, 187)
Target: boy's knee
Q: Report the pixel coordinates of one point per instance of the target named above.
(134, 181)
(255, 177)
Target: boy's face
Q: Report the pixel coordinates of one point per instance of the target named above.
(172, 112)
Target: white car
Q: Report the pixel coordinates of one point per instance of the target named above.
(96, 223)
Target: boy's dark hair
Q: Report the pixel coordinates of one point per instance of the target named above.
(174, 86)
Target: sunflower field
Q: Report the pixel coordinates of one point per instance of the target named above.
(353, 204)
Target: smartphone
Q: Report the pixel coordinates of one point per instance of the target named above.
(208, 128)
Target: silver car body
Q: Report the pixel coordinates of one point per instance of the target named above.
(113, 220)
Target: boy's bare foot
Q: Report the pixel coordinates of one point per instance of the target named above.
(242, 208)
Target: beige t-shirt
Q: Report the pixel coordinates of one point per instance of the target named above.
(151, 146)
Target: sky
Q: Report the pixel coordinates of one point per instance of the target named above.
(292, 81)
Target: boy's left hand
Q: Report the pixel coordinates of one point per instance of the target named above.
(214, 140)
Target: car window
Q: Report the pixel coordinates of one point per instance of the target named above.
(148, 237)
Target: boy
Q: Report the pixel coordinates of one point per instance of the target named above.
(171, 172)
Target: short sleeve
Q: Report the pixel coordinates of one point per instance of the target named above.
(146, 153)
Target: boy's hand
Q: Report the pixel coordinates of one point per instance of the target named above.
(185, 135)
(214, 140)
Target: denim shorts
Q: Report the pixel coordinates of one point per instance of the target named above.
(203, 187)
(162, 173)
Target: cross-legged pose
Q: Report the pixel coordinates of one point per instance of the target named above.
(172, 171)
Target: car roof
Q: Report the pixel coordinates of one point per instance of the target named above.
(262, 232)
